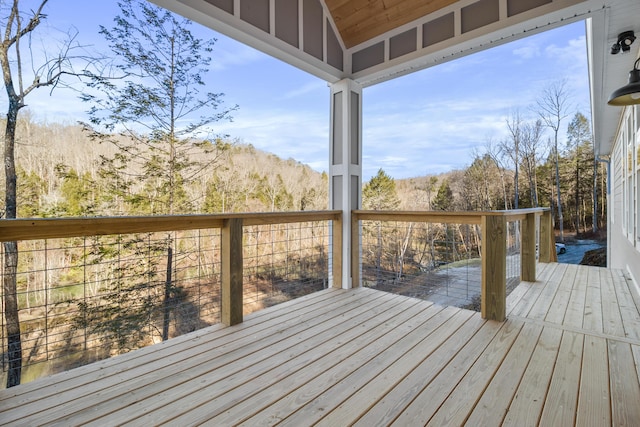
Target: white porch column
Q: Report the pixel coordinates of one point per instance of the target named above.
(345, 170)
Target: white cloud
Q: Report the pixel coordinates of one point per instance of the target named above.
(527, 52)
(574, 52)
(305, 90)
(301, 135)
(228, 53)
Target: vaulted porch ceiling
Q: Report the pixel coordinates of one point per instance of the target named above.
(359, 21)
(371, 41)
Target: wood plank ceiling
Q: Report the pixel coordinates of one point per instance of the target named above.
(361, 20)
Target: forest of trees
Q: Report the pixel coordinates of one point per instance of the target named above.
(490, 182)
(438, 260)
(61, 175)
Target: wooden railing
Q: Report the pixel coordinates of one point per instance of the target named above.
(493, 226)
(231, 226)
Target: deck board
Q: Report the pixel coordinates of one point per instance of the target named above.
(492, 407)
(593, 303)
(526, 304)
(390, 405)
(408, 366)
(574, 315)
(560, 405)
(455, 409)
(327, 398)
(257, 358)
(625, 390)
(568, 354)
(528, 401)
(430, 398)
(558, 309)
(611, 316)
(635, 349)
(593, 399)
(131, 377)
(283, 401)
(627, 305)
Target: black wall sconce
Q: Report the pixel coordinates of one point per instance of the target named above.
(630, 93)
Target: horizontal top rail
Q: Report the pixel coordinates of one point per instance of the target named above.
(458, 217)
(56, 228)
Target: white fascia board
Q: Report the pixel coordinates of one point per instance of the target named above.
(596, 31)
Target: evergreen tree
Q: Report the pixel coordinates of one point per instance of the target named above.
(479, 183)
(380, 193)
(444, 198)
(158, 111)
(77, 193)
(31, 188)
(157, 115)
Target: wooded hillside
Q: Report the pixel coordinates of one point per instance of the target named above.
(62, 173)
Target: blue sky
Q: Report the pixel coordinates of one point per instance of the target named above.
(425, 123)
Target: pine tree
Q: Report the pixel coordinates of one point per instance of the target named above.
(444, 198)
(31, 188)
(380, 193)
(159, 118)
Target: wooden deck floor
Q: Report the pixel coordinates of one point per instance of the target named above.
(569, 354)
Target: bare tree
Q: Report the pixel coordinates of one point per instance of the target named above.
(22, 75)
(552, 107)
(511, 148)
(494, 151)
(531, 135)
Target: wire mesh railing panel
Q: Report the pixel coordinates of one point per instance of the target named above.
(514, 238)
(434, 261)
(284, 261)
(87, 298)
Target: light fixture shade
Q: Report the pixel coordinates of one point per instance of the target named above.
(630, 93)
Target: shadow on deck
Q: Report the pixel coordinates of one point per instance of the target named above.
(569, 354)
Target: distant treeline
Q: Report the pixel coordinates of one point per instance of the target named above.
(62, 172)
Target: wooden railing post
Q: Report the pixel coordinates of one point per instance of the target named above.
(493, 299)
(528, 248)
(547, 241)
(231, 271)
(355, 251)
(336, 235)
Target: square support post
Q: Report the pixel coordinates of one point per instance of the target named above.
(336, 253)
(493, 300)
(232, 271)
(345, 170)
(547, 240)
(528, 246)
(355, 251)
